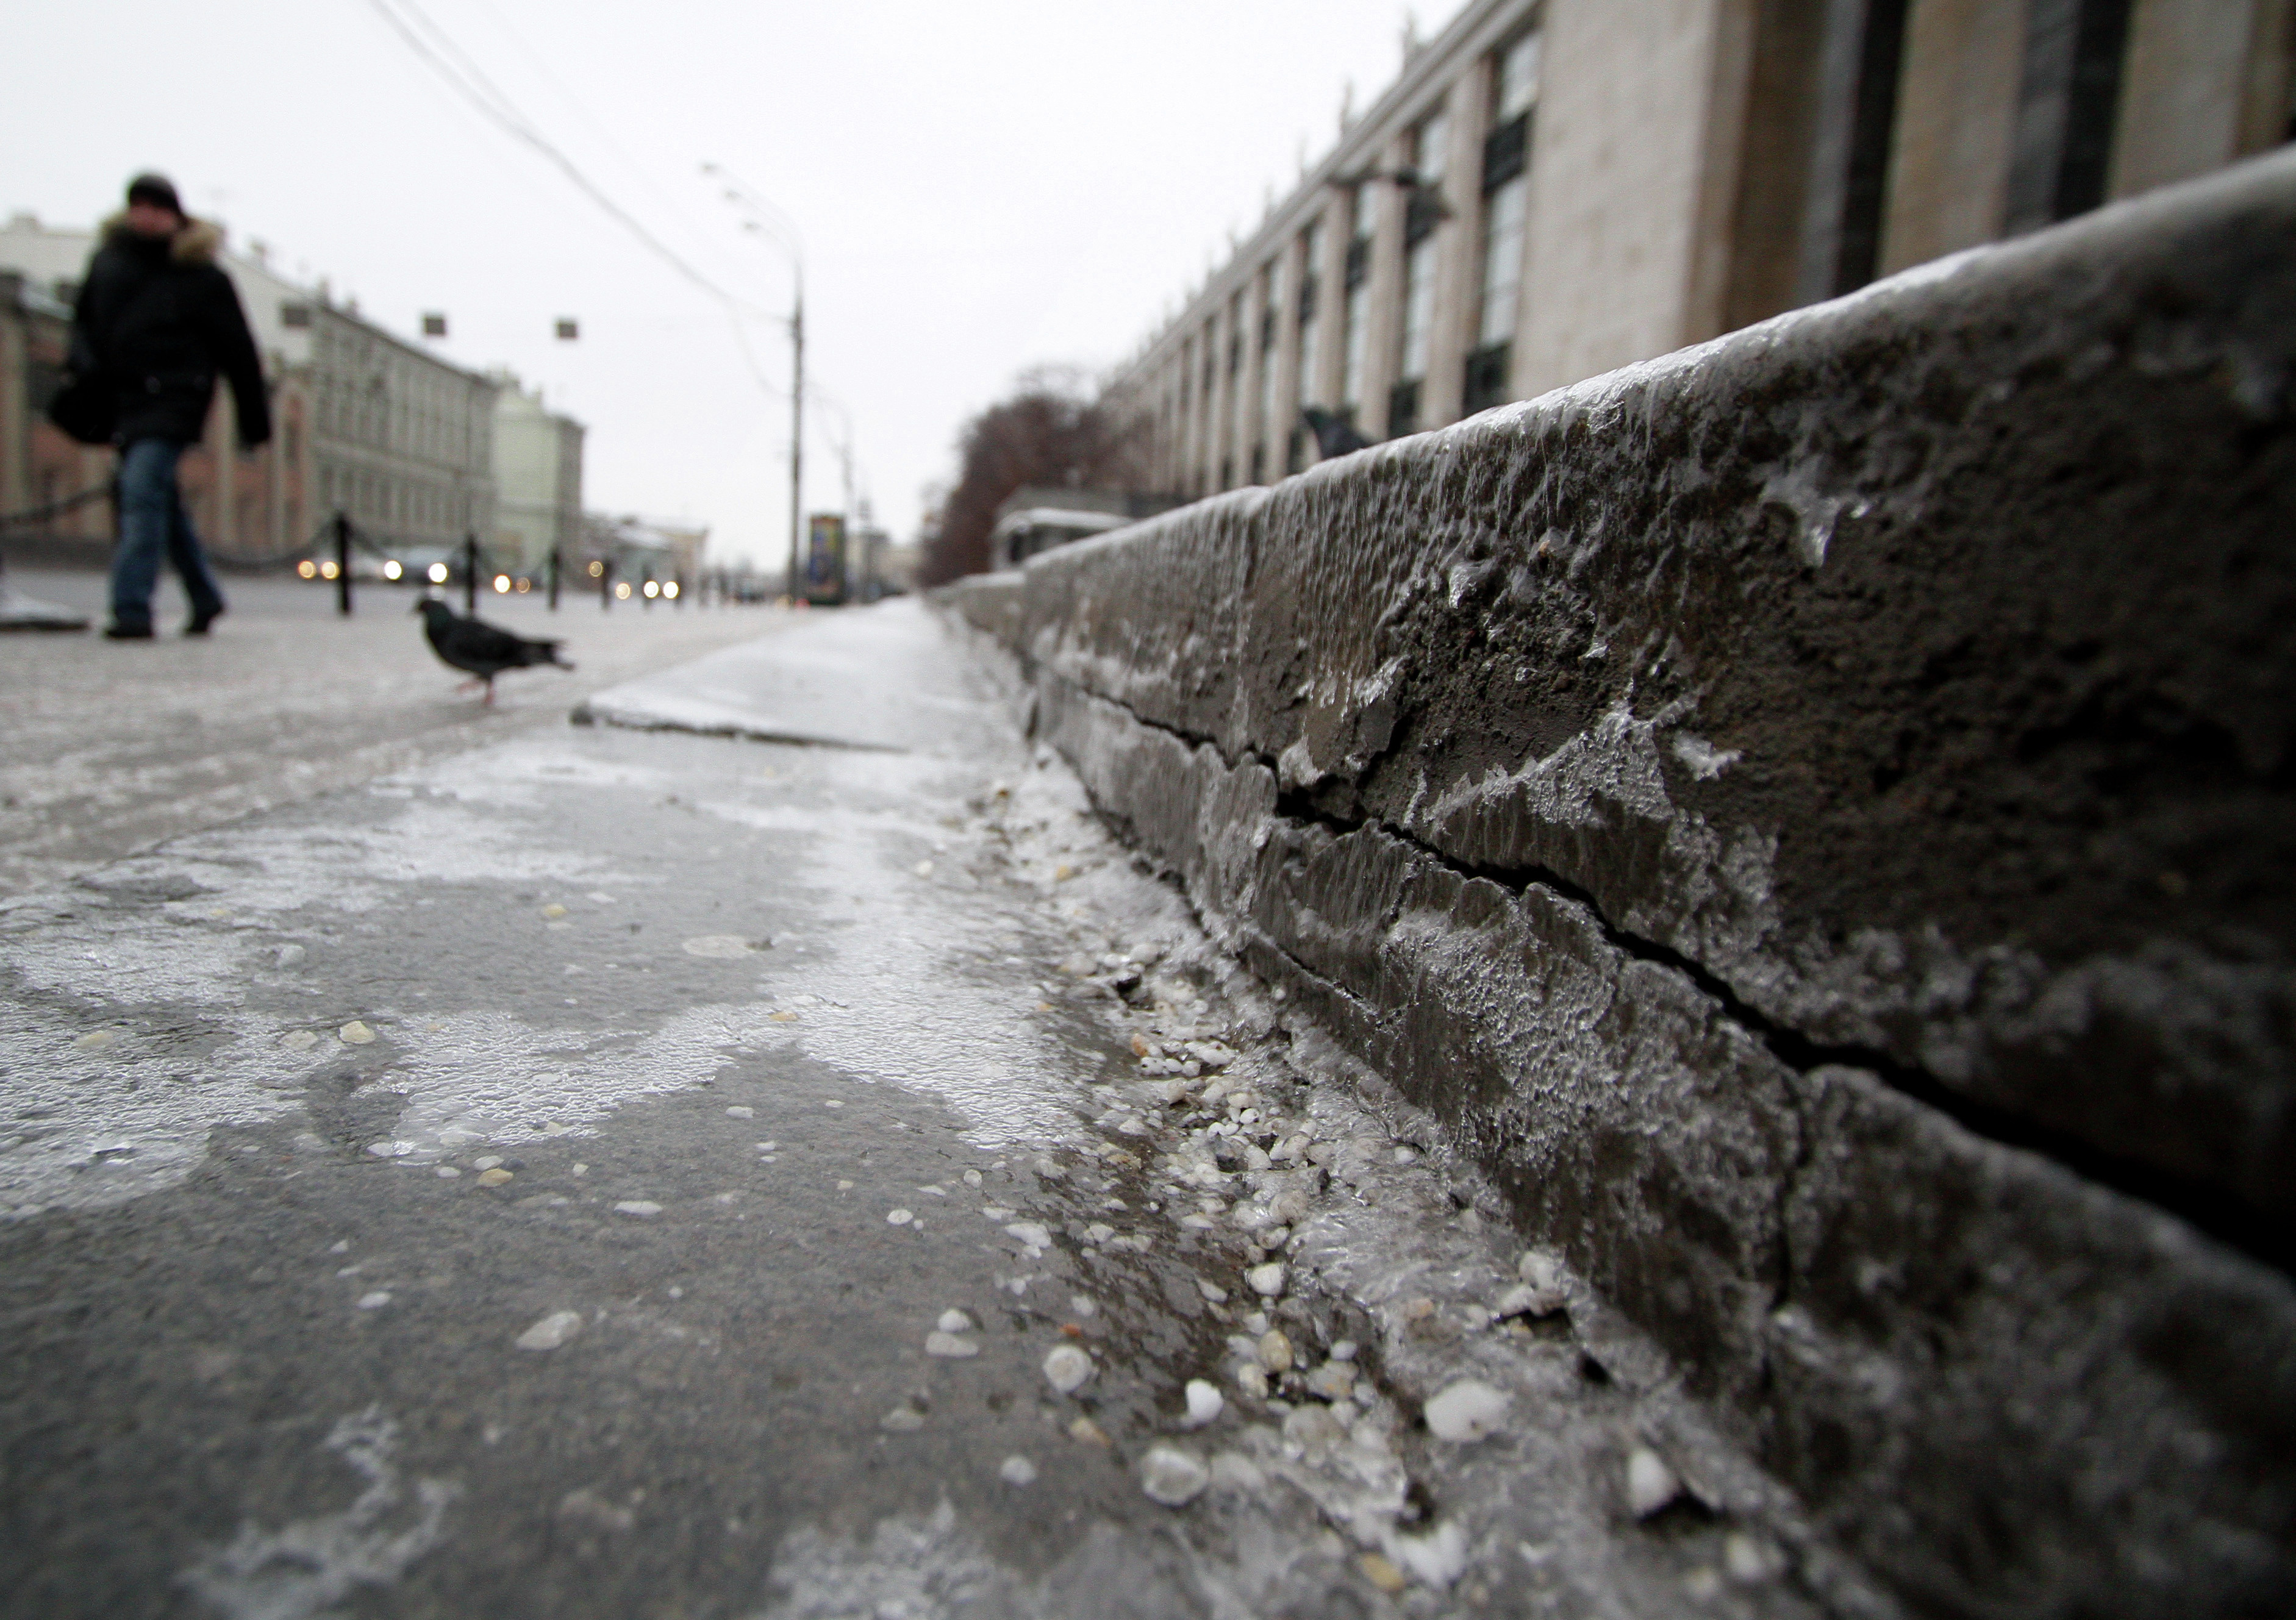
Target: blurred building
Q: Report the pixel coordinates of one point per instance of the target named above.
(39, 466)
(1556, 188)
(1038, 517)
(639, 548)
(364, 420)
(537, 468)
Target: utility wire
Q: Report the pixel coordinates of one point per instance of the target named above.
(465, 77)
(606, 137)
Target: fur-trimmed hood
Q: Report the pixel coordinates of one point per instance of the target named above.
(199, 242)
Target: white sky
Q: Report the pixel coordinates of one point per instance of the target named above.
(981, 187)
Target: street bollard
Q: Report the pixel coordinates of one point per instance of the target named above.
(470, 574)
(554, 579)
(606, 586)
(343, 564)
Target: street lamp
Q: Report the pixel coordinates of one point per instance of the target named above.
(762, 218)
(844, 446)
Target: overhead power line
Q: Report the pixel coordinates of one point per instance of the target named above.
(462, 75)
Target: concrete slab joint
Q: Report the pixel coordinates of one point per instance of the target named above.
(1813, 815)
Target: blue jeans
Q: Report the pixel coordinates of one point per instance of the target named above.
(153, 521)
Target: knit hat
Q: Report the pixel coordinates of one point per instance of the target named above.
(157, 189)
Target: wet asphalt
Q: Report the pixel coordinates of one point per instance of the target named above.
(627, 1171)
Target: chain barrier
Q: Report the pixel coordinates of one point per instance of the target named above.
(56, 509)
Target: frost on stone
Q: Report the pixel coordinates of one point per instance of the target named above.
(1172, 1477)
(1650, 1485)
(310, 1565)
(1205, 1403)
(1232, 1471)
(1544, 1291)
(723, 947)
(552, 1331)
(1465, 1411)
(1066, 1368)
(1437, 1558)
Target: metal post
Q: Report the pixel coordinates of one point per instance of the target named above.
(554, 579)
(343, 564)
(797, 427)
(470, 573)
(606, 585)
(678, 580)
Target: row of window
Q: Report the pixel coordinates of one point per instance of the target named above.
(1198, 400)
(364, 389)
(396, 503)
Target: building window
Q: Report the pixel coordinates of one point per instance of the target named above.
(1430, 151)
(1311, 247)
(1506, 201)
(1402, 408)
(1269, 298)
(1486, 377)
(1517, 70)
(1355, 350)
(1501, 256)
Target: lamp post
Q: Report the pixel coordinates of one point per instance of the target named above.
(762, 218)
(842, 443)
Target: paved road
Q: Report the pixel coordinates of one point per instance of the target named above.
(108, 746)
(630, 1173)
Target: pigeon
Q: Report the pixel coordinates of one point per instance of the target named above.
(1335, 434)
(482, 648)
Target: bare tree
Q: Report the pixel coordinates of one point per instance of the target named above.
(1051, 429)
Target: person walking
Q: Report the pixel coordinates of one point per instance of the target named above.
(158, 321)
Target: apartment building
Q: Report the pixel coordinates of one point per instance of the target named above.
(537, 480)
(1556, 188)
(364, 420)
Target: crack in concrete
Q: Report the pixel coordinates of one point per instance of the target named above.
(589, 714)
(2207, 1208)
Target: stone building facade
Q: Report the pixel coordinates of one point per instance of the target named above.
(1556, 188)
(537, 480)
(364, 420)
(39, 466)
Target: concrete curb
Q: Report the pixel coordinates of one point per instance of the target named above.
(1814, 813)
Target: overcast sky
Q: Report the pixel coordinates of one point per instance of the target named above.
(980, 187)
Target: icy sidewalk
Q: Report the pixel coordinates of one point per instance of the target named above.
(620, 1170)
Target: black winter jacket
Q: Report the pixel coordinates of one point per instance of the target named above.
(160, 319)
